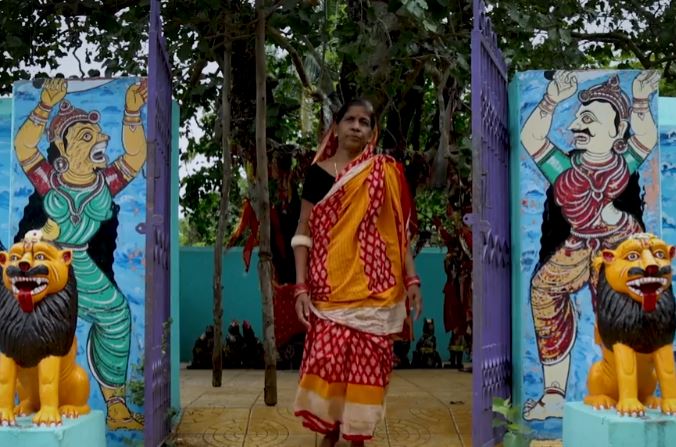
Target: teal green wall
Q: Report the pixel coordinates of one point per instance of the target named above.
(241, 294)
(515, 227)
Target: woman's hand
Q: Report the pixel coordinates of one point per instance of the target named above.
(303, 309)
(415, 299)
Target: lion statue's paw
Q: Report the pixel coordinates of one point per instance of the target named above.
(47, 417)
(600, 402)
(630, 407)
(24, 409)
(652, 402)
(7, 417)
(73, 411)
(668, 406)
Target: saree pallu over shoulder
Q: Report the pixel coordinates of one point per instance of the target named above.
(357, 261)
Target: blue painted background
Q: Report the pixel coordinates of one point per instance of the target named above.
(528, 194)
(668, 165)
(129, 268)
(5, 149)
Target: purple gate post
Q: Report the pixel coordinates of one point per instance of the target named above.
(157, 362)
(491, 344)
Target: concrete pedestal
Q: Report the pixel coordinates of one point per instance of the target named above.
(85, 431)
(585, 427)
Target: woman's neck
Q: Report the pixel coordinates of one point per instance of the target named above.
(344, 155)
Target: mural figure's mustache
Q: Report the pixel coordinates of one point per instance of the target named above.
(584, 131)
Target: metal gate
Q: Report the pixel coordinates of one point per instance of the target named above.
(157, 353)
(491, 344)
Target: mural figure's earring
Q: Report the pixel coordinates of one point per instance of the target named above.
(61, 165)
(619, 146)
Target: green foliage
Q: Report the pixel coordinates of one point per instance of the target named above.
(136, 388)
(510, 417)
(594, 34)
(404, 55)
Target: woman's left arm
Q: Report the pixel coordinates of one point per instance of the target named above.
(412, 286)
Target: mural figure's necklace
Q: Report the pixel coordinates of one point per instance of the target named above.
(93, 190)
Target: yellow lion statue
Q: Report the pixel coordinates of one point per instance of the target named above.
(38, 317)
(635, 325)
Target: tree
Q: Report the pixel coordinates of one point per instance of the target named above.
(222, 212)
(265, 252)
(598, 34)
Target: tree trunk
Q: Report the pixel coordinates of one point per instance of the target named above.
(441, 158)
(217, 366)
(264, 251)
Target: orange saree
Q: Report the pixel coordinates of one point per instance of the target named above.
(356, 281)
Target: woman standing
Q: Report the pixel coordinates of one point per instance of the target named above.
(354, 272)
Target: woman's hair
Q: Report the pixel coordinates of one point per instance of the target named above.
(338, 116)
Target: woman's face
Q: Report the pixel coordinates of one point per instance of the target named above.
(354, 130)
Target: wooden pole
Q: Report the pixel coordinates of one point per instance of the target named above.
(265, 251)
(217, 368)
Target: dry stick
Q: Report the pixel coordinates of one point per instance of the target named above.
(217, 375)
(264, 252)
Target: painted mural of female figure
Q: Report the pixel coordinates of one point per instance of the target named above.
(595, 192)
(77, 186)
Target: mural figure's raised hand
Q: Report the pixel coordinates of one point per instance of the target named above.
(563, 86)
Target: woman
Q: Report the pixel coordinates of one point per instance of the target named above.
(353, 274)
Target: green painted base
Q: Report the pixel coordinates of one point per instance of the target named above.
(89, 431)
(585, 427)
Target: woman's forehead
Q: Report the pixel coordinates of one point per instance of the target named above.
(358, 111)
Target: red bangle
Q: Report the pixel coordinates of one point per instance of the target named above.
(412, 280)
(300, 289)
(44, 107)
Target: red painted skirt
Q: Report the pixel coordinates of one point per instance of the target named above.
(343, 380)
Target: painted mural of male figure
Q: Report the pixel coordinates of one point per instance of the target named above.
(611, 138)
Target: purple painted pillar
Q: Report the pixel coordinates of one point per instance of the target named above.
(157, 362)
(491, 282)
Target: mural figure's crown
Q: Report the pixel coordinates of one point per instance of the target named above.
(611, 92)
(67, 116)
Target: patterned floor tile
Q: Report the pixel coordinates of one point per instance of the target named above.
(214, 420)
(424, 408)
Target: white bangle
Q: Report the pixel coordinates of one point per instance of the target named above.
(300, 240)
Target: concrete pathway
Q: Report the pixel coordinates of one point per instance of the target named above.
(430, 408)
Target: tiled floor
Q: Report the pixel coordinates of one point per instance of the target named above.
(427, 408)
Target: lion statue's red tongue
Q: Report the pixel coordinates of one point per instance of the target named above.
(26, 300)
(649, 301)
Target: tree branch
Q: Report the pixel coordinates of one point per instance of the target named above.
(618, 39)
(284, 43)
(76, 8)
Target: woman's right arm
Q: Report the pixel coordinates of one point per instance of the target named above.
(301, 255)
